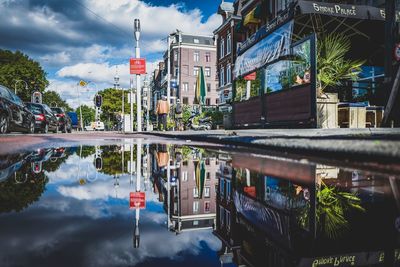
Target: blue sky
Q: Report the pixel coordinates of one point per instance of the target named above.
(91, 39)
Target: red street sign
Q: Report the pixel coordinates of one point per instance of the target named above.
(397, 52)
(251, 76)
(137, 65)
(137, 200)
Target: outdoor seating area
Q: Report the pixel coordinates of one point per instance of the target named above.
(359, 115)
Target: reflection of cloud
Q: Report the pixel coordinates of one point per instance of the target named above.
(75, 236)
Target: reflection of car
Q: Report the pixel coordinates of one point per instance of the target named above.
(6, 172)
(64, 121)
(58, 153)
(42, 155)
(14, 115)
(45, 120)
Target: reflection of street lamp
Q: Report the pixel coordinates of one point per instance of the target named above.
(15, 86)
(139, 97)
(116, 84)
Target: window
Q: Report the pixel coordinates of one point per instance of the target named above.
(185, 163)
(196, 71)
(228, 73)
(228, 189)
(196, 56)
(221, 77)
(207, 71)
(221, 215)
(207, 191)
(175, 55)
(228, 44)
(208, 57)
(176, 70)
(207, 161)
(221, 187)
(185, 101)
(222, 48)
(184, 176)
(216, 101)
(208, 87)
(208, 176)
(207, 206)
(208, 102)
(195, 207)
(195, 192)
(196, 41)
(195, 223)
(185, 87)
(228, 219)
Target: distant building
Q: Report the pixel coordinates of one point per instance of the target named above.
(189, 53)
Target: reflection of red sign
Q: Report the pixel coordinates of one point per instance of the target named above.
(250, 190)
(137, 200)
(137, 65)
(251, 76)
(397, 52)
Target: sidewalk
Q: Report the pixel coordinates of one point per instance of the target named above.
(380, 144)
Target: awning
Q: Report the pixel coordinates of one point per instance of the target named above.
(251, 18)
(342, 10)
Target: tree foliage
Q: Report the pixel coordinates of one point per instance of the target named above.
(88, 114)
(112, 105)
(16, 66)
(52, 99)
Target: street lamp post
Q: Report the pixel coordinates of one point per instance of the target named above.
(15, 86)
(116, 80)
(169, 70)
(138, 90)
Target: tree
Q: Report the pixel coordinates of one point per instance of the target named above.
(18, 66)
(52, 98)
(88, 114)
(112, 105)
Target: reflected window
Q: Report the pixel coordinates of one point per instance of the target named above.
(228, 189)
(221, 187)
(221, 215)
(195, 192)
(228, 219)
(207, 206)
(195, 206)
(184, 176)
(207, 192)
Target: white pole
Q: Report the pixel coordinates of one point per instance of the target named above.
(169, 71)
(138, 164)
(139, 94)
(80, 106)
(131, 99)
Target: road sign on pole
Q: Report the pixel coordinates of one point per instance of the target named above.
(137, 200)
(137, 65)
(37, 97)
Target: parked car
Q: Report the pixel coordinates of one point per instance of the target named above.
(64, 121)
(45, 120)
(74, 120)
(14, 115)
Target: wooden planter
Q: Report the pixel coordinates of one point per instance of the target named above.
(327, 110)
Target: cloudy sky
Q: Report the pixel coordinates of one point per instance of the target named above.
(89, 39)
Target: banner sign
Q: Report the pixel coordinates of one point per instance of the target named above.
(137, 66)
(281, 19)
(343, 10)
(251, 76)
(272, 47)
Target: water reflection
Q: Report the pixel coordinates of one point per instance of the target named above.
(138, 203)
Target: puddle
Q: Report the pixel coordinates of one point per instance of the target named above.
(191, 206)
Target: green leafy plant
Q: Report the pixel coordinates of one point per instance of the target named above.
(333, 67)
(332, 206)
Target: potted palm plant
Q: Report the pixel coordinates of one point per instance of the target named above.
(333, 68)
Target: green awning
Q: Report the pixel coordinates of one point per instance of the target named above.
(239, 26)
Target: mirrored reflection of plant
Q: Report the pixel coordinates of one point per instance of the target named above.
(331, 210)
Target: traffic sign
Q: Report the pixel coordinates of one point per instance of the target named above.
(137, 200)
(251, 76)
(137, 65)
(397, 52)
(37, 97)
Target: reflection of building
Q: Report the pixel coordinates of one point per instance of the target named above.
(193, 194)
(267, 212)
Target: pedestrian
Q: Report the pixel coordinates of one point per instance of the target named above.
(178, 115)
(162, 112)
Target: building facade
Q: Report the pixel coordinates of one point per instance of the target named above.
(188, 54)
(226, 53)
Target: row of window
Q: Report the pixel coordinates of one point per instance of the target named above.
(196, 205)
(222, 51)
(225, 79)
(196, 56)
(196, 70)
(185, 101)
(185, 87)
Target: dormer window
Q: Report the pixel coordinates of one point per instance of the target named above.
(196, 41)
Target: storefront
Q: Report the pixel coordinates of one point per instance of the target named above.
(276, 70)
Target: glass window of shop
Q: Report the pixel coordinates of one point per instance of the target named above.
(281, 75)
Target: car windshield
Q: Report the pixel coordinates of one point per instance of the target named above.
(35, 108)
(57, 110)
